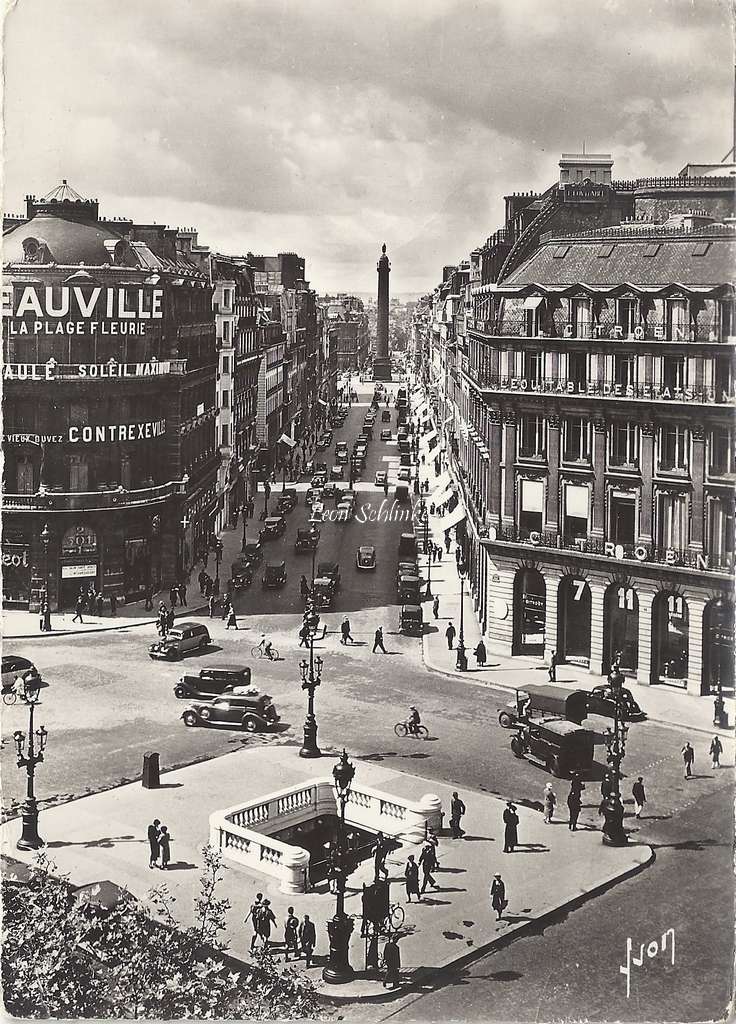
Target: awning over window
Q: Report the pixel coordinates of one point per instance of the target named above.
(428, 438)
(441, 484)
(443, 496)
(285, 439)
(533, 301)
(532, 496)
(456, 516)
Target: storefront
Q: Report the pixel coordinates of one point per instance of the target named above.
(621, 628)
(530, 607)
(718, 648)
(79, 563)
(16, 554)
(573, 621)
(670, 639)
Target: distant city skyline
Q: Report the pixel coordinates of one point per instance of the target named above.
(328, 128)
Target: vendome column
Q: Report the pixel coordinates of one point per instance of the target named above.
(382, 362)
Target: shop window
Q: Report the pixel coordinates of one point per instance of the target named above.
(624, 444)
(673, 442)
(24, 477)
(577, 502)
(576, 439)
(720, 448)
(531, 507)
(531, 437)
(720, 532)
(672, 521)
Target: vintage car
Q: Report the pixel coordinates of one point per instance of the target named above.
(287, 500)
(252, 712)
(402, 494)
(252, 552)
(183, 638)
(274, 575)
(319, 479)
(544, 701)
(242, 573)
(345, 510)
(601, 702)
(323, 592)
(411, 620)
(331, 570)
(408, 590)
(365, 557)
(212, 681)
(381, 477)
(404, 475)
(332, 491)
(323, 441)
(312, 495)
(320, 467)
(273, 526)
(563, 747)
(407, 547)
(318, 512)
(386, 416)
(337, 473)
(406, 567)
(342, 453)
(386, 435)
(14, 667)
(307, 539)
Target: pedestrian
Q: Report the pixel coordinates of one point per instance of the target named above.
(173, 595)
(170, 618)
(46, 608)
(552, 670)
(480, 654)
(113, 604)
(457, 809)
(439, 552)
(183, 594)
(255, 909)
(163, 841)
(153, 842)
(447, 541)
(378, 641)
(307, 939)
(304, 634)
(497, 893)
(715, 750)
(42, 617)
(149, 597)
(411, 876)
(232, 619)
(385, 487)
(391, 962)
(380, 850)
(426, 861)
(688, 757)
(291, 934)
(436, 606)
(345, 631)
(511, 830)
(202, 579)
(640, 797)
(550, 800)
(264, 920)
(211, 605)
(574, 804)
(450, 634)
(78, 609)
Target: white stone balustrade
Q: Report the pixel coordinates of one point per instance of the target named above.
(242, 833)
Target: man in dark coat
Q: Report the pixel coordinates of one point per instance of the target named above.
(173, 595)
(380, 850)
(426, 860)
(154, 843)
(498, 896)
(307, 939)
(391, 962)
(457, 809)
(574, 803)
(511, 834)
(640, 797)
(450, 634)
(411, 875)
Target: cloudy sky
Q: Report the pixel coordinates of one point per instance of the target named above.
(329, 126)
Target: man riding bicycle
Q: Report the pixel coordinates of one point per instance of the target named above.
(266, 646)
(413, 721)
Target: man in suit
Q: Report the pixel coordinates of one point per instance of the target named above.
(308, 939)
(154, 843)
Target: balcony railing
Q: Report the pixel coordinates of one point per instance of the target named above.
(611, 389)
(641, 552)
(93, 371)
(90, 501)
(604, 329)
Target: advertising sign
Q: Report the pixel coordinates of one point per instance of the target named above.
(73, 572)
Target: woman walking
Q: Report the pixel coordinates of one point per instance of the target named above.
(549, 803)
(163, 841)
(498, 895)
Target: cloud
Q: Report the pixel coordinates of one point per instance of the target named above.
(331, 126)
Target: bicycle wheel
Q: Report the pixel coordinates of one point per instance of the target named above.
(256, 652)
(400, 729)
(9, 697)
(396, 916)
(422, 732)
(274, 654)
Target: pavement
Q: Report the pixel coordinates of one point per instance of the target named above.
(103, 837)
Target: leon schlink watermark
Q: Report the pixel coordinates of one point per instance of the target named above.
(653, 948)
(387, 512)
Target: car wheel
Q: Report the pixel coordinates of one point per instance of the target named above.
(250, 724)
(190, 718)
(505, 720)
(203, 643)
(180, 692)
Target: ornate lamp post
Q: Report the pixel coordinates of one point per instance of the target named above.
(462, 658)
(612, 807)
(424, 519)
(218, 559)
(340, 927)
(46, 540)
(720, 718)
(30, 839)
(311, 673)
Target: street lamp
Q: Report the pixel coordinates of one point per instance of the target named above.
(720, 718)
(30, 839)
(462, 658)
(218, 559)
(612, 807)
(311, 673)
(46, 540)
(424, 518)
(339, 928)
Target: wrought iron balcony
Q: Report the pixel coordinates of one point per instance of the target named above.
(91, 501)
(563, 387)
(604, 329)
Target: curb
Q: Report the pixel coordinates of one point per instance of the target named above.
(99, 629)
(423, 974)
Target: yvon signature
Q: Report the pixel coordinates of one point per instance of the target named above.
(653, 949)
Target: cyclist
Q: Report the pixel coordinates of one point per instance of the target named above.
(266, 646)
(413, 721)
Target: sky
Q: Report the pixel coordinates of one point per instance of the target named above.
(327, 127)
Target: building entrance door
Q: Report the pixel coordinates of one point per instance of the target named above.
(530, 612)
(670, 647)
(573, 618)
(621, 628)
(623, 517)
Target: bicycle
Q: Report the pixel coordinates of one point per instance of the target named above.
(420, 732)
(394, 920)
(260, 652)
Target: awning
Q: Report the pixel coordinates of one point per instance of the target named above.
(442, 482)
(285, 439)
(456, 516)
(445, 422)
(440, 499)
(533, 301)
(428, 438)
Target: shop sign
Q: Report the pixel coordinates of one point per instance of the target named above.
(73, 572)
(15, 559)
(105, 433)
(79, 540)
(79, 311)
(92, 371)
(533, 602)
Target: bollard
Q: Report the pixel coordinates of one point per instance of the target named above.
(150, 778)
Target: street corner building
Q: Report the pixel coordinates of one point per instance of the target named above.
(109, 401)
(581, 366)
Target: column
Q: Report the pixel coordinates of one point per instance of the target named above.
(599, 479)
(695, 608)
(697, 473)
(646, 464)
(552, 577)
(494, 467)
(644, 666)
(597, 591)
(552, 517)
(509, 515)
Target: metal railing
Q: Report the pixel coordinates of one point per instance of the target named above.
(78, 501)
(603, 329)
(94, 371)
(564, 387)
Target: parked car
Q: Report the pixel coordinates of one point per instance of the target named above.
(320, 467)
(327, 435)
(252, 712)
(345, 510)
(381, 477)
(404, 475)
(386, 435)
(273, 526)
(330, 491)
(337, 473)
(183, 638)
(406, 567)
(342, 453)
(15, 667)
(318, 512)
(287, 500)
(331, 570)
(408, 590)
(306, 539)
(252, 552)
(319, 479)
(369, 419)
(402, 494)
(322, 442)
(386, 416)
(408, 547)
(274, 575)
(411, 620)
(312, 495)
(601, 702)
(212, 681)
(365, 557)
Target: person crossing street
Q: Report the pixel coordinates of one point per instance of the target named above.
(378, 641)
(345, 631)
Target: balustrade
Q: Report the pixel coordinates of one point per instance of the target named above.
(605, 328)
(563, 386)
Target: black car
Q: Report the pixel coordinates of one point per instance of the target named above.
(14, 667)
(252, 712)
(287, 500)
(252, 552)
(306, 540)
(601, 702)
(274, 575)
(273, 526)
(331, 570)
(242, 574)
(212, 682)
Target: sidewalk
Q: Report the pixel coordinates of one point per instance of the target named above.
(665, 705)
(103, 837)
